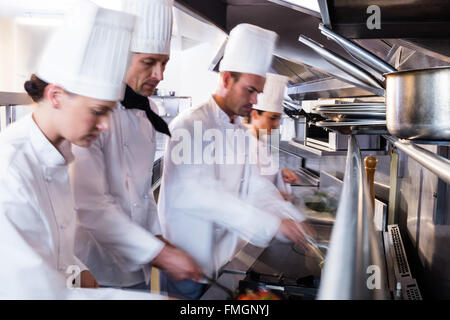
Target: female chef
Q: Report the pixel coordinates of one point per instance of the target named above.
(262, 120)
(76, 89)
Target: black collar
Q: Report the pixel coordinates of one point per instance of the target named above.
(133, 100)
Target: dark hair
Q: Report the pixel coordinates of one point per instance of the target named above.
(248, 118)
(234, 75)
(35, 88)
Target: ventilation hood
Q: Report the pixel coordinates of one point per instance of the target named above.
(311, 76)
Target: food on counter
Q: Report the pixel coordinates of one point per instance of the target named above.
(261, 294)
(321, 201)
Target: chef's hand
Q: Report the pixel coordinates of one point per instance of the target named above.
(88, 280)
(289, 176)
(177, 264)
(291, 230)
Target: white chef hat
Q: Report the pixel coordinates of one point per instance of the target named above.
(89, 54)
(271, 99)
(153, 29)
(249, 50)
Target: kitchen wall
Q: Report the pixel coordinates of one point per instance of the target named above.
(21, 47)
(6, 54)
(187, 73)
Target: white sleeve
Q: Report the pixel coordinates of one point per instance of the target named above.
(195, 190)
(100, 213)
(264, 194)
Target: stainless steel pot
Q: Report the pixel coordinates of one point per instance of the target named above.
(418, 104)
(417, 101)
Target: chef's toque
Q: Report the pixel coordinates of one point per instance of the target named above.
(271, 99)
(153, 29)
(89, 54)
(249, 50)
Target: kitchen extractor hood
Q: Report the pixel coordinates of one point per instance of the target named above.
(311, 76)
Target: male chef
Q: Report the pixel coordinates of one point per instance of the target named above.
(112, 179)
(202, 204)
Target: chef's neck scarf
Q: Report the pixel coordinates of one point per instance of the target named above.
(132, 100)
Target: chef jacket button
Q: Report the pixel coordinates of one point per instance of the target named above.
(242, 180)
(135, 204)
(122, 107)
(48, 179)
(125, 145)
(145, 196)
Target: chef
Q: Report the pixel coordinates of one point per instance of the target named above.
(262, 120)
(202, 204)
(112, 178)
(75, 92)
(265, 117)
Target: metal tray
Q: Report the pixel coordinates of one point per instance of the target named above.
(353, 115)
(374, 127)
(339, 109)
(354, 105)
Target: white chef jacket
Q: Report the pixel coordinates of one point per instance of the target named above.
(112, 179)
(37, 219)
(203, 207)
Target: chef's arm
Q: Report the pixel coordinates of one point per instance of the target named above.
(212, 202)
(265, 195)
(102, 216)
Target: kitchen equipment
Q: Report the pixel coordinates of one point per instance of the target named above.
(352, 106)
(360, 77)
(417, 101)
(230, 293)
(286, 288)
(315, 248)
(366, 127)
(358, 52)
(370, 163)
(353, 115)
(418, 104)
